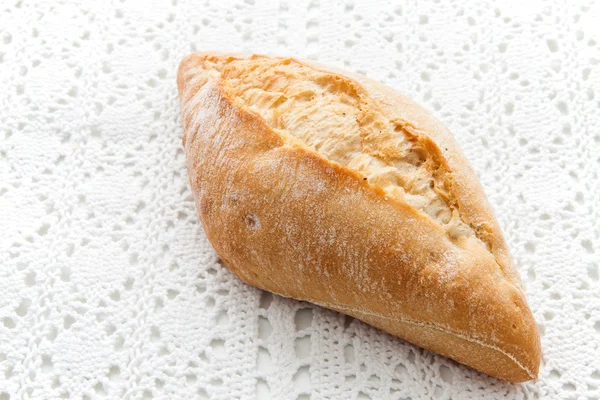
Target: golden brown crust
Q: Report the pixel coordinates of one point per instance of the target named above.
(285, 219)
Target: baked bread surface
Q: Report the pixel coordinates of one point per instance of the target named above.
(328, 187)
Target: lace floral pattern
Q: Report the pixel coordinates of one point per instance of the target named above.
(108, 287)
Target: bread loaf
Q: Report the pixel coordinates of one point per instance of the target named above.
(328, 187)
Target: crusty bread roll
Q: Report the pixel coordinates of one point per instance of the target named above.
(331, 188)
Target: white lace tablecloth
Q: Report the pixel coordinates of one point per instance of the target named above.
(108, 287)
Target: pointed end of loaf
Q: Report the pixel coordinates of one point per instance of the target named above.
(187, 64)
(518, 364)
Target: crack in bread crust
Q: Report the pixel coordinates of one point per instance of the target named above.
(334, 116)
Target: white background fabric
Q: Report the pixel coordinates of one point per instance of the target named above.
(108, 287)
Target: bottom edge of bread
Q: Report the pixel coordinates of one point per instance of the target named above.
(489, 358)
